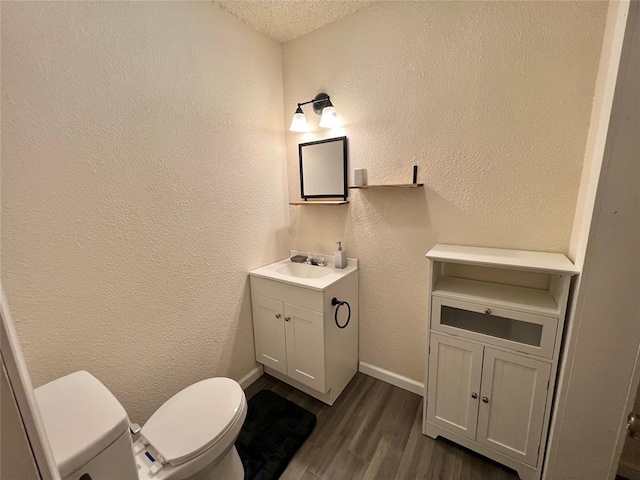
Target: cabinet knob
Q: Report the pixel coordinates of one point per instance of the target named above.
(488, 311)
(485, 399)
(286, 319)
(278, 315)
(474, 395)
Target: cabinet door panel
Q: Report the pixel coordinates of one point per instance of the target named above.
(269, 332)
(516, 389)
(454, 377)
(305, 346)
(520, 331)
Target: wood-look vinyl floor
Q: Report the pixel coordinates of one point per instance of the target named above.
(373, 431)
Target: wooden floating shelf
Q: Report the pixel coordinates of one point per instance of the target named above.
(398, 185)
(320, 202)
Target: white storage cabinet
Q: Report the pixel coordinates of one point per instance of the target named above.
(495, 329)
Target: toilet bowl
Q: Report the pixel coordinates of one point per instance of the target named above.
(190, 436)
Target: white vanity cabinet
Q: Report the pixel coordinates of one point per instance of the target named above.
(296, 336)
(495, 329)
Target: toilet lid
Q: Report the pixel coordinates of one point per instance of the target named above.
(194, 419)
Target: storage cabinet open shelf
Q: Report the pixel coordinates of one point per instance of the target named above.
(508, 296)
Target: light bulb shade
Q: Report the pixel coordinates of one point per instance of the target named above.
(329, 117)
(299, 122)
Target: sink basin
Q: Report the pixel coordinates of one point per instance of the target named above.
(305, 275)
(303, 270)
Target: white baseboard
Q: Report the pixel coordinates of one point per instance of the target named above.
(392, 378)
(629, 470)
(366, 368)
(251, 377)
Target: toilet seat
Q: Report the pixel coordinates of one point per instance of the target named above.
(194, 419)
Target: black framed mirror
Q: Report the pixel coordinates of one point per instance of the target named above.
(323, 168)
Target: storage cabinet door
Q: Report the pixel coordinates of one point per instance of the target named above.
(305, 346)
(268, 328)
(454, 380)
(514, 395)
(512, 329)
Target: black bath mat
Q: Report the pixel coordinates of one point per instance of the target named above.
(274, 430)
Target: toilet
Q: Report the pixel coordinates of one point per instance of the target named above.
(191, 436)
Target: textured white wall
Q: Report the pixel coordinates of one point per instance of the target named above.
(143, 175)
(491, 100)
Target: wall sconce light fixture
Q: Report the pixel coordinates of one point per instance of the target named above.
(322, 106)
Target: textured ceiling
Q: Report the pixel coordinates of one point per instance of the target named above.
(284, 20)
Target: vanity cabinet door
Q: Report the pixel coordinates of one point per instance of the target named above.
(514, 391)
(455, 370)
(269, 332)
(305, 346)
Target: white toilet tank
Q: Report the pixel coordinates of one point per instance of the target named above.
(87, 428)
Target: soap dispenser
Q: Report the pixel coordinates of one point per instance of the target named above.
(340, 258)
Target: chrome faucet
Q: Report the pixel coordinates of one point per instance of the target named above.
(320, 262)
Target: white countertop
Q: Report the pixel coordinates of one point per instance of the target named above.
(271, 272)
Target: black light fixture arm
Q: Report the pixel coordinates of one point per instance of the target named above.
(315, 100)
(319, 102)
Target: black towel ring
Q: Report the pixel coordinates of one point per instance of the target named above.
(339, 303)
